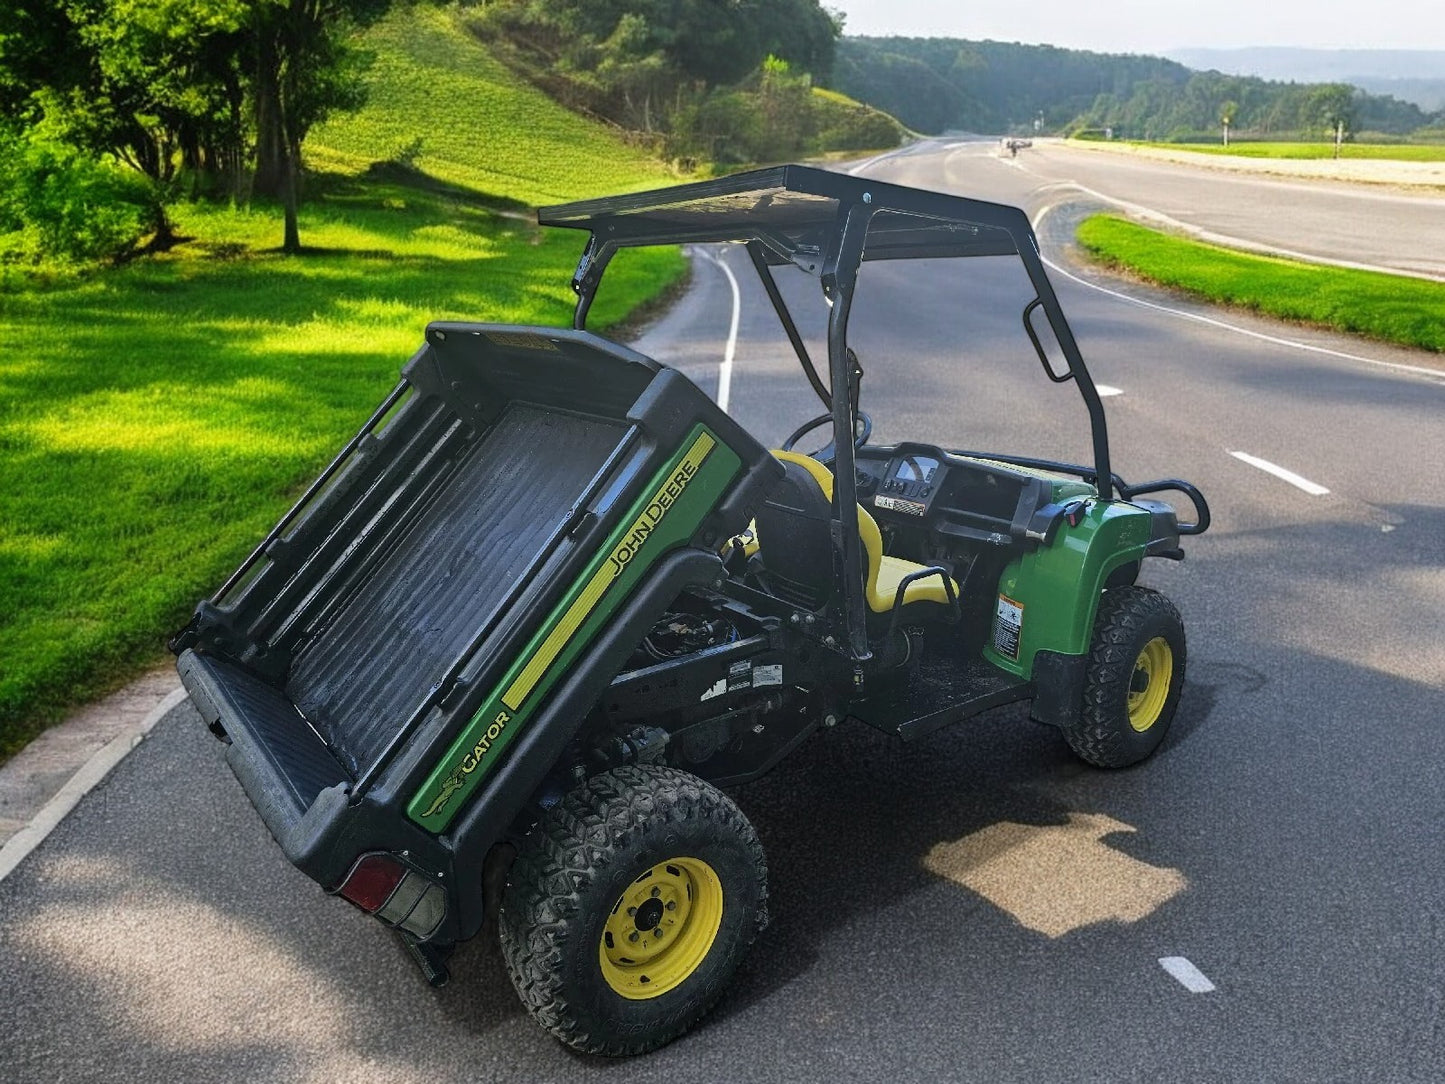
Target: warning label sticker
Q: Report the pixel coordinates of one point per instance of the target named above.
(767, 675)
(1008, 627)
(896, 504)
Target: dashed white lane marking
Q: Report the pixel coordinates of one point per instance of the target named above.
(725, 371)
(1414, 370)
(1189, 976)
(1106, 390)
(1314, 489)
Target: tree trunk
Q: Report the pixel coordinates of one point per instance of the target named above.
(289, 199)
(270, 177)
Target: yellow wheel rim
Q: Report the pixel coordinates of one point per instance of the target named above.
(1149, 689)
(661, 928)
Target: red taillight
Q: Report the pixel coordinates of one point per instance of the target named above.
(372, 881)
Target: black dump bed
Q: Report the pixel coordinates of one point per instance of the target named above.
(457, 551)
(425, 600)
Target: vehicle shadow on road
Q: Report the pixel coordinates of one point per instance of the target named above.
(848, 823)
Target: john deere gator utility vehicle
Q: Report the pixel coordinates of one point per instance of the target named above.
(550, 599)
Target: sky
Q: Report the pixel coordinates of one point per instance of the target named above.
(1159, 26)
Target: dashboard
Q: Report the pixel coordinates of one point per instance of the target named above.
(921, 490)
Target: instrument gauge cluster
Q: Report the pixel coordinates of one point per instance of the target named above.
(910, 483)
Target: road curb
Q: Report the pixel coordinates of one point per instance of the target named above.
(91, 773)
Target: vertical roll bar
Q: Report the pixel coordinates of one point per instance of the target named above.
(839, 277)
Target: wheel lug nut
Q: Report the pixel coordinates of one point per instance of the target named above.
(631, 911)
(632, 936)
(657, 932)
(656, 892)
(672, 905)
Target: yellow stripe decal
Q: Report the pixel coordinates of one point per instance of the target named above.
(605, 576)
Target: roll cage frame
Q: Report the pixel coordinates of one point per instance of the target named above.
(827, 224)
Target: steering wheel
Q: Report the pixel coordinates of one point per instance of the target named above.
(862, 430)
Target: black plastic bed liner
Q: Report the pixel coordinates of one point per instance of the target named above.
(423, 603)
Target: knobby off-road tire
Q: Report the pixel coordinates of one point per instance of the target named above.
(1134, 676)
(634, 847)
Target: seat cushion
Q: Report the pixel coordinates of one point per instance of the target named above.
(882, 573)
(891, 571)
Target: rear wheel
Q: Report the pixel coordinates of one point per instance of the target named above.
(1134, 676)
(629, 907)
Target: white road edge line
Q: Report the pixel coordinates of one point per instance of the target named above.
(1106, 390)
(861, 166)
(1189, 976)
(725, 371)
(1314, 489)
(1415, 370)
(1148, 214)
(18, 846)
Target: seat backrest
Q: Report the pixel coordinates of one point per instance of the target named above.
(794, 538)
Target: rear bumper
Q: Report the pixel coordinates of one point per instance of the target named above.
(279, 759)
(301, 790)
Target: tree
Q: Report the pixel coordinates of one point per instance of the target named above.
(185, 90)
(638, 62)
(1333, 106)
(1226, 117)
(303, 68)
(152, 82)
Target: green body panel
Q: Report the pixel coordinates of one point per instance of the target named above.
(1055, 589)
(666, 516)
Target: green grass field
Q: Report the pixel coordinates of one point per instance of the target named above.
(1397, 152)
(156, 419)
(1393, 308)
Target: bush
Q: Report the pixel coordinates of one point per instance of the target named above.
(846, 125)
(56, 201)
(774, 116)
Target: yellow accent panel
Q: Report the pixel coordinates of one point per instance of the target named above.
(661, 928)
(602, 579)
(882, 573)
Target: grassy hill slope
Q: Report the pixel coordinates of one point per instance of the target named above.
(438, 99)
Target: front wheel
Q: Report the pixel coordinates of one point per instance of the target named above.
(1134, 676)
(629, 907)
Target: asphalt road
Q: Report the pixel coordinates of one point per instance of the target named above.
(1369, 224)
(976, 906)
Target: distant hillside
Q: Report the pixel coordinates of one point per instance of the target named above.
(1412, 75)
(1428, 94)
(1317, 65)
(935, 84)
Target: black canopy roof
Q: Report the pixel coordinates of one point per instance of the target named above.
(794, 211)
